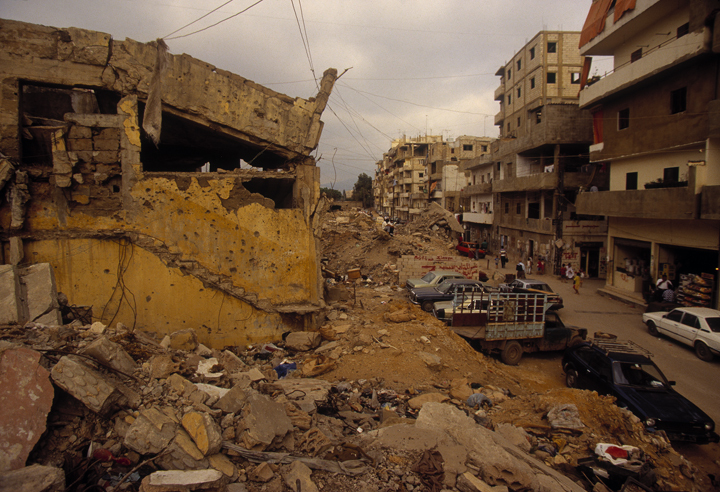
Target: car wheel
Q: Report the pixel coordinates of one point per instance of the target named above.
(652, 328)
(427, 306)
(571, 377)
(512, 353)
(576, 340)
(703, 352)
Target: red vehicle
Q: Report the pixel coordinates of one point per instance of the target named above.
(465, 248)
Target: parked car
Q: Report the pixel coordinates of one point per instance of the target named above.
(464, 247)
(694, 326)
(626, 371)
(431, 279)
(446, 291)
(529, 286)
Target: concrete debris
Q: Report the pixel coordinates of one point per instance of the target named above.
(182, 481)
(264, 422)
(29, 294)
(150, 432)
(298, 478)
(85, 384)
(26, 396)
(204, 431)
(184, 340)
(302, 341)
(565, 417)
(34, 478)
(110, 355)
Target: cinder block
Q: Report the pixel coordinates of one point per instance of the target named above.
(78, 144)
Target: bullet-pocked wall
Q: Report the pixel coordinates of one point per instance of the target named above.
(212, 228)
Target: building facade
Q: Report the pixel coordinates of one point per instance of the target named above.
(526, 188)
(656, 128)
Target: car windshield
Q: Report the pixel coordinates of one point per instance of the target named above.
(543, 287)
(642, 375)
(445, 286)
(428, 277)
(714, 324)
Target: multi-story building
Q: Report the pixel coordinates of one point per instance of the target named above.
(445, 180)
(540, 164)
(656, 121)
(400, 187)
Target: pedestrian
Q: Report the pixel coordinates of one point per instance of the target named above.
(497, 261)
(520, 269)
(577, 281)
(661, 286)
(563, 273)
(503, 257)
(529, 265)
(541, 267)
(570, 273)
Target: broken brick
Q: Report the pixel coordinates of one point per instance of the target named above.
(205, 432)
(85, 384)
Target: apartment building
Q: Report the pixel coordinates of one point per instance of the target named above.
(528, 185)
(656, 128)
(400, 187)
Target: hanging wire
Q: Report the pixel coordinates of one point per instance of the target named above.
(219, 22)
(198, 19)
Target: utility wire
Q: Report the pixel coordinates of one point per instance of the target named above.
(219, 22)
(198, 19)
(304, 39)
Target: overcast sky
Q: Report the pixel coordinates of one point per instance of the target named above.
(415, 66)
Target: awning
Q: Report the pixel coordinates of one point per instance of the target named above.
(595, 22)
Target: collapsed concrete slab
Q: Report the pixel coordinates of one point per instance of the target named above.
(29, 294)
(220, 213)
(26, 396)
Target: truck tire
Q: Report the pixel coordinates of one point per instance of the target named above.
(571, 377)
(512, 353)
(652, 328)
(427, 306)
(703, 352)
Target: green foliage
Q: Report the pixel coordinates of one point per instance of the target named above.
(363, 191)
(334, 194)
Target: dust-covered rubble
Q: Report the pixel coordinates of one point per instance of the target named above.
(325, 410)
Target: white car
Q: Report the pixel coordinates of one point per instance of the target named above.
(694, 326)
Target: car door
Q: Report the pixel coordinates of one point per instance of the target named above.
(670, 324)
(595, 371)
(688, 328)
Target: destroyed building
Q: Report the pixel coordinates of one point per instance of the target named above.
(164, 192)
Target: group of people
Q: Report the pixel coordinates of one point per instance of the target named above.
(664, 290)
(521, 269)
(568, 273)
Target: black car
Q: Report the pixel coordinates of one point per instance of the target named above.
(531, 286)
(427, 296)
(626, 371)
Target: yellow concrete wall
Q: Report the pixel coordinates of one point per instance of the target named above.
(157, 298)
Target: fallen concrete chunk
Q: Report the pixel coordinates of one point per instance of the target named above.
(264, 420)
(205, 432)
(110, 354)
(467, 482)
(232, 362)
(182, 454)
(565, 417)
(515, 435)
(302, 341)
(184, 340)
(233, 400)
(85, 384)
(222, 463)
(162, 366)
(205, 369)
(40, 294)
(151, 432)
(306, 393)
(35, 478)
(298, 472)
(432, 360)
(417, 402)
(262, 473)
(10, 307)
(26, 396)
(181, 481)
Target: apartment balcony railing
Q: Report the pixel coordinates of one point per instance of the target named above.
(662, 203)
(500, 93)
(477, 189)
(478, 217)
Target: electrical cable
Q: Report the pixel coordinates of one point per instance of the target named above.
(213, 25)
(198, 19)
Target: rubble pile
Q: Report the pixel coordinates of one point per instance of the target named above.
(356, 240)
(383, 397)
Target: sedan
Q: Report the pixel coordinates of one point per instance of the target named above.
(431, 279)
(465, 247)
(426, 297)
(694, 326)
(531, 286)
(626, 371)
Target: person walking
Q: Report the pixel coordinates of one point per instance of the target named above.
(563, 273)
(569, 272)
(503, 257)
(576, 283)
(520, 269)
(529, 265)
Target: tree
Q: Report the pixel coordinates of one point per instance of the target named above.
(334, 194)
(363, 190)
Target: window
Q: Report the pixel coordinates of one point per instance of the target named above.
(483, 148)
(507, 208)
(552, 47)
(678, 100)
(519, 64)
(532, 83)
(467, 147)
(671, 175)
(498, 165)
(631, 181)
(623, 118)
(532, 53)
(538, 116)
(683, 30)
(509, 74)
(518, 122)
(534, 210)
(690, 320)
(508, 127)
(518, 92)
(551, 76)
(675, 315)
(509, 99)
(518, 209)
(636, 55)
(420, 175)
(575, 78)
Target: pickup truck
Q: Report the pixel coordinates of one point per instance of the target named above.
(511, 324)
(694, 326)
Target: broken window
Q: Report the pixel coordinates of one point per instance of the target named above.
(532, 82)
(575, 78)
(683, 30)
(551, 77)
(534, 210)
(552, 47)
(532, 53)
(467, 147)
(636, 55)
(623, 118)
(678, 100)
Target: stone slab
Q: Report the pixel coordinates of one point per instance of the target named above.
(26, 396)
(35, 478)
(184, 480)
(85, 384)
(40, 294)
(9, 303)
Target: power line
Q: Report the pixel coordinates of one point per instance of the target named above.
(198, 19)
(219, 22)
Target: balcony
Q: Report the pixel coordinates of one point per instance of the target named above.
(584, 227)
(478, 218)
(478, 189)
(543, 226)
(418, 196)
(500, 93)
(710, 203)
(499, 118)
(655, 61)
(404, 195)
(436, 194)
(662, 203)
(540, 181)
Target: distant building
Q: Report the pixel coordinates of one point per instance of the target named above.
(656, 128)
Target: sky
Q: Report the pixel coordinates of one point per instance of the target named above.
(414, 67)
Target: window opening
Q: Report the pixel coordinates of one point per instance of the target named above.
(551, 77)
(678, 100)
(623, 118)
(552, 47)
(631, 180)
(636, 55)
